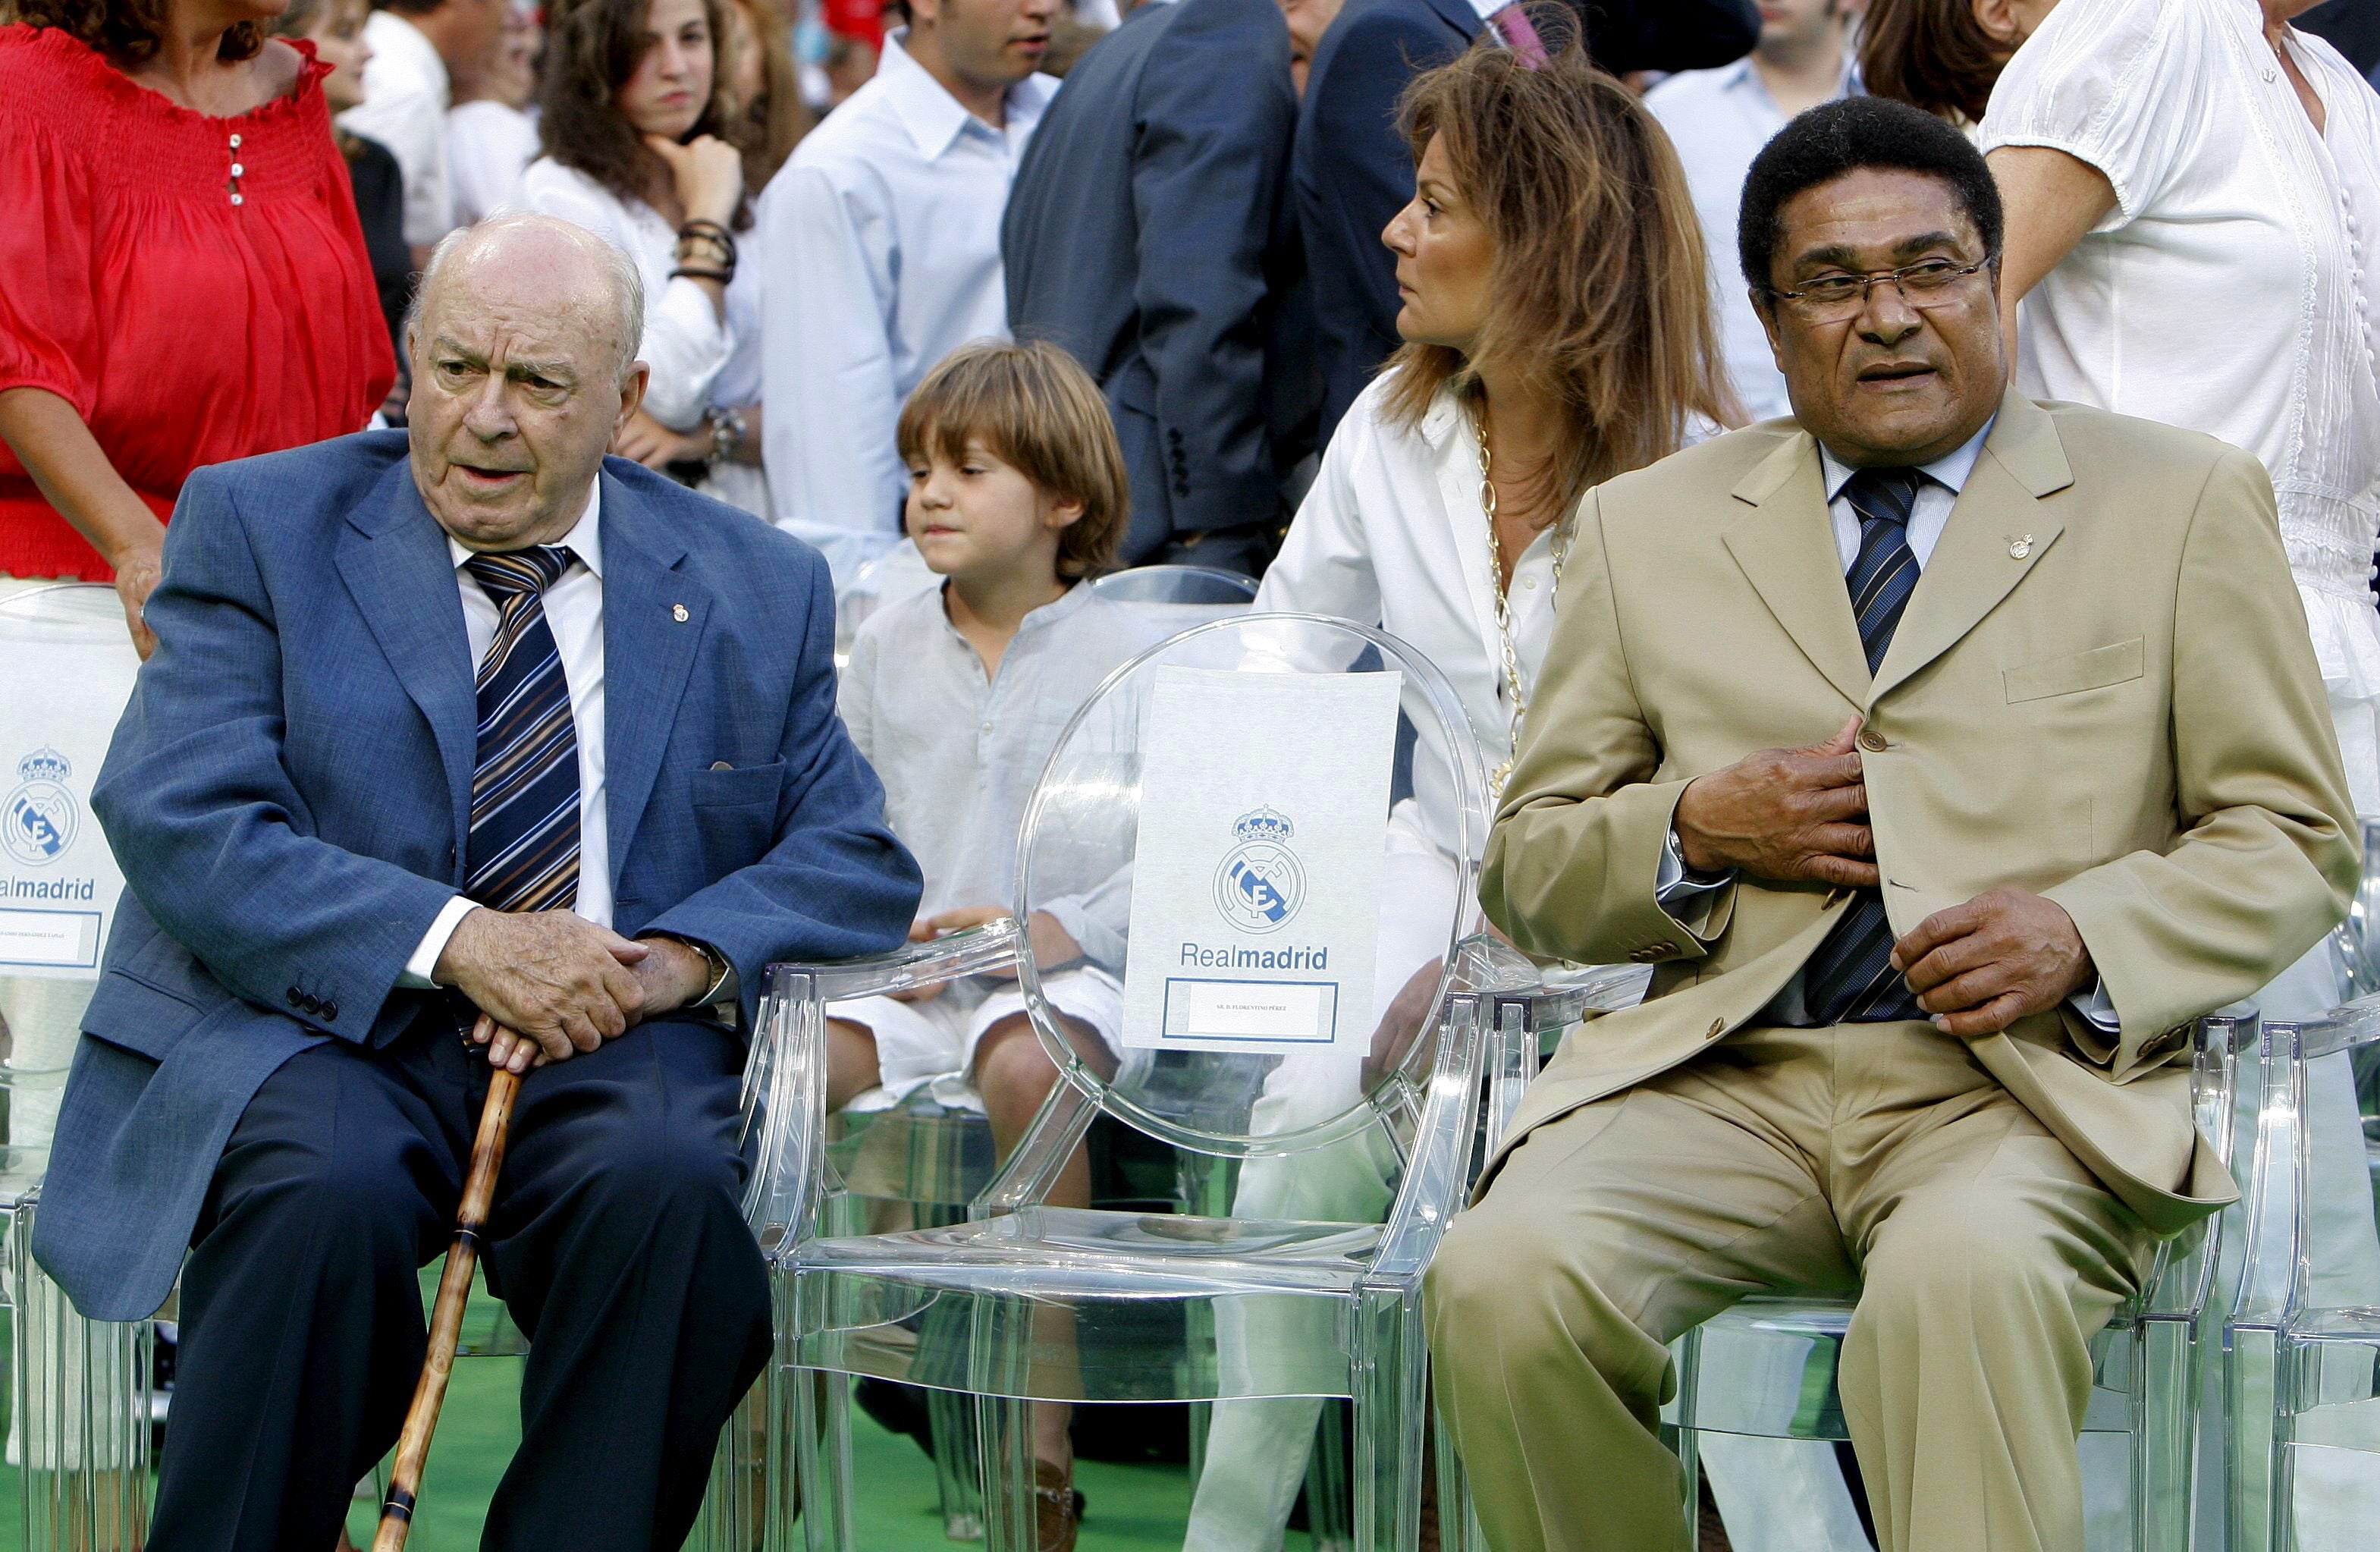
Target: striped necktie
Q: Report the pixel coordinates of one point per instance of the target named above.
(524, 846)
(1850, 979)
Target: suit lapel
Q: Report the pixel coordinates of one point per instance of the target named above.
(1786, 546)
(1998, 532)
(653, 620)
(394, 563)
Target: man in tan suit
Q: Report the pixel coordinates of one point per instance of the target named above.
(1947, 755)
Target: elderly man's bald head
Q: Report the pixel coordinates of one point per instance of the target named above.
(524, 349)
(543, 261)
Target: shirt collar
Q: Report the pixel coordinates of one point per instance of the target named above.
(1073, 600)
(1950, 470)
(585, 541)
(934, 119)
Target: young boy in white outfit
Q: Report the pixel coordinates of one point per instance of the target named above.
(957, 696)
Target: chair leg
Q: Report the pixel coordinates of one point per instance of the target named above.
(1004, 1435)
(1392, 1379)
(734, 1509)
(81, 1415)
(1327, 1511)
(2252, 1444)
(958, 1473)
(2165, 1436)
(820, 1406)
(1688, 1356)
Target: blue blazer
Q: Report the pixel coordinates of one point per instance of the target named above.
(290, 785)
(1353, 171)
(1150, 233)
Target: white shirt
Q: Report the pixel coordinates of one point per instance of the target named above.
(406, 93)
(2228, 291)
(1392, 534)
(489, 146)
(884, 232)
(687, 344)
(573, 612)
(1718, 120)
(960, 753)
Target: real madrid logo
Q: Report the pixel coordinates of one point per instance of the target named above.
(1260, 884)
(39, 822)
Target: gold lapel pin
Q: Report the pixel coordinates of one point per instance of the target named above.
(2019, 547)
(677, 611)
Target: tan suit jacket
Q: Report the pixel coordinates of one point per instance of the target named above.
(2102, 691)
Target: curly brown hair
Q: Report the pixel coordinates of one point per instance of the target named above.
(591, 49)
(128, 31)
(1599, 282)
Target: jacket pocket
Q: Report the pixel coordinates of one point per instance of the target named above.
(2096, 669)
(736, 788)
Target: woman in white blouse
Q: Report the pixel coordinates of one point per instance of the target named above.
(1557, 331)
(651, 161)
(2188, 185)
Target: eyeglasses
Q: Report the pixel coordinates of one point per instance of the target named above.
(1834, 297)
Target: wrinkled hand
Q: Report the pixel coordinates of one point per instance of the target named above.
(554, 979)
(708, 174)
(135, 578)
(1791, 814)
(1980, 966)
(670, 974)
(656, 446)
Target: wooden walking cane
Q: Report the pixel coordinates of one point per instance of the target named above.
(446, 1314)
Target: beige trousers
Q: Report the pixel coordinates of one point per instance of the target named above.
(1873, 1158)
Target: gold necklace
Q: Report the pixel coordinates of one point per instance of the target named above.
(1512, 665)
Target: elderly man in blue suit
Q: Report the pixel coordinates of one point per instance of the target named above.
(460, 746)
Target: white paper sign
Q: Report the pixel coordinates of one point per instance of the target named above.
(68, 670)
(1256, 900)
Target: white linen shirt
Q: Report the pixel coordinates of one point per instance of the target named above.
(406, 95)
(489, 146)
(1392, 534)
(885, 233)
(573, 612)
(1718, 120)
(960, 753)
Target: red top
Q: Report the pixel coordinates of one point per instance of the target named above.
(196, 288)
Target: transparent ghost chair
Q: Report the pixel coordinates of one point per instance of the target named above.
(2356, 943)
(1766, 1368)
(1027, 1303)
(2303, 1344)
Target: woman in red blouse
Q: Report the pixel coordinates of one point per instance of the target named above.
(182, 278)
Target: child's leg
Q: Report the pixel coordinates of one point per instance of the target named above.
(851, 1069)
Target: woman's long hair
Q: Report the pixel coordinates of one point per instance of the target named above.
(128, 31)
(593, 47)
(1599, 297)
(775, 121)
(1932, 55)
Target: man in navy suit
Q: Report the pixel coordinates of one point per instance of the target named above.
(1150, 233)
(1353, 171)
(464, 748)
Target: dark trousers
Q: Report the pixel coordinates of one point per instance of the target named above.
(615, 1240)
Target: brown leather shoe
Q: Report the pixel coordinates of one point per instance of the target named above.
(1057, 1507)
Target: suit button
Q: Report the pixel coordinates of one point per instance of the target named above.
(330, 1011)
(1871, 740)
(1718, 1027)
(313, 1005)
(296, 997)
(1663, 947)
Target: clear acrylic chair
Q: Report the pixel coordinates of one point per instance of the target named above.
(2302, 1345)
(1027, 1303)
(1765, 1368)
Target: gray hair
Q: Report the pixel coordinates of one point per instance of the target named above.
(628, 286)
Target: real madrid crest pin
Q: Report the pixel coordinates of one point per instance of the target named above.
(2019, 547)
(1260, 884)
(40, 818)
(677, 613)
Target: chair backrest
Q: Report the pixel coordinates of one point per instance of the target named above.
(2308, 1072)
(1214, 821)
(884, 581)
(1177, 584)
(2356, 943)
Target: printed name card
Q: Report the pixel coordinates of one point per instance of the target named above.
(70, 670)
(1255, 898)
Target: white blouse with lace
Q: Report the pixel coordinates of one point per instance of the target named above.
(2228, 291)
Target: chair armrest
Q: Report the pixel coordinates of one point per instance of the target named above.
(1437, 1169)
(978, 951)
(2269, 1268)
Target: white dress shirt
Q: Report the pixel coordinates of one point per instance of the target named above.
(489, 146)
(884, 235)
(573, 612)
(406, 95)
(1718, 120)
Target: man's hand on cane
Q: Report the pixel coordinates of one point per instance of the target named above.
(551, 984)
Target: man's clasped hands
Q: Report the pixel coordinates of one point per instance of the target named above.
(1796, 815)
(550, 984)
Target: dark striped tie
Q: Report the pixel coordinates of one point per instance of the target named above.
(524, 847)
(1850, 979)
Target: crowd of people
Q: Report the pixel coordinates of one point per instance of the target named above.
(1477, 323)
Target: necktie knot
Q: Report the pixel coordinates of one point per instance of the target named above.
(507, 575)
(1884, 495)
